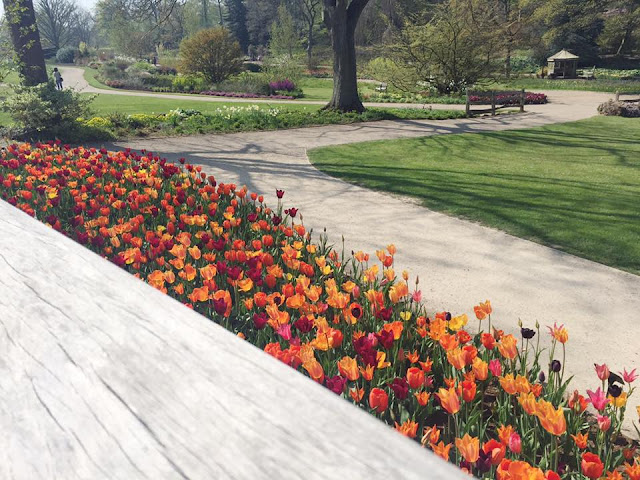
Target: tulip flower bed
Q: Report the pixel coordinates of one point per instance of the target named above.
(494, 404)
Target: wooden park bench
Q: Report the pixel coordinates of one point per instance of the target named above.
(497, 99)
(381, 88)
(587, 74)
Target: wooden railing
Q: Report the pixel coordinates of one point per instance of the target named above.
(497, 99)
(104, 377)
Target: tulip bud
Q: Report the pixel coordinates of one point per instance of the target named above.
(515, 443)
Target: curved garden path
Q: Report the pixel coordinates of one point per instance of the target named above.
(459, 263)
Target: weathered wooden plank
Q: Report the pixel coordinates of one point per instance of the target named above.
(101, 376)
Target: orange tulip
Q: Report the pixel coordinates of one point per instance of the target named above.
(480, 369)
(415, 377)
(408, 428)
(518, 470)
(495, 451)
(356, 394)
(468, 390)
(422, 397)
(367, 372)
(448, 342)
(581, 440)
(456, 358)
(592, 466)
(442, 450)
(508, 347)
(483, 310)
(430, 435)
(508, 384)
(528, 403)
(314, 369)
(559, 333)
(522, 384)
(449, 400)
(504, 433)
(633, 471)
(469, 448)
(378, 400)
(552, 420)
(348, 368)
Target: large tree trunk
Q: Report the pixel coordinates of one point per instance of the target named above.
(341, 17)
(26, 41)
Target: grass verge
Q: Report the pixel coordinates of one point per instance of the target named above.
(571, 186)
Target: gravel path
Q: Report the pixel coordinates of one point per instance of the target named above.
(459, 263)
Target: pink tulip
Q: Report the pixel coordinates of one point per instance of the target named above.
(417, 296)
(496, 367)
(515, 443)
(629, 377)
(598, 399)
(285, 331)
(604, 422)
(602, 371)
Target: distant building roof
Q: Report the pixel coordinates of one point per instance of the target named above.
(563, 55)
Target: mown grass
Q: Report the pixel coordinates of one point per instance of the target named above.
(571, 186)
(596, 85)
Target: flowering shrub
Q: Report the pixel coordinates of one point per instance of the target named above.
(492, 403)
(530, 98)
(245, 95)
(619, 109)
(285, 85)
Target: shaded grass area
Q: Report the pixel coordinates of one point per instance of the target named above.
(574, 186)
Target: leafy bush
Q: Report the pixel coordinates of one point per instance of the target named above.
(246, 83)
(188, 83)
(44, 111)
(213, 53)
(253, 67)
(620, 109)
(524, 64)
(239, 119)
(141, 67)
(66, 55)
(167, 70)
(277, 68)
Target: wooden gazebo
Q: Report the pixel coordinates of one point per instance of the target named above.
(563, 64)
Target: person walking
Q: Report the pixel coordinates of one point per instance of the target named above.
(58, 78)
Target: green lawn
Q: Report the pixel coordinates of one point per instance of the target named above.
(573, 186)
(321, 89)
(133, 104)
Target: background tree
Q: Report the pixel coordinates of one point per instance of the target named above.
(284, 38)
(237, 22)
(449, 47)
(213, 53)
(309, 11)
(621, 33)
(341, 18)
(57, 21)
(571, 24)
(25, 38)
(260, 16)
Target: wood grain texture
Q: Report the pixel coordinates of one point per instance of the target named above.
(101, 376)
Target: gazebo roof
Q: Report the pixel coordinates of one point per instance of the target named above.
(563, 55)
